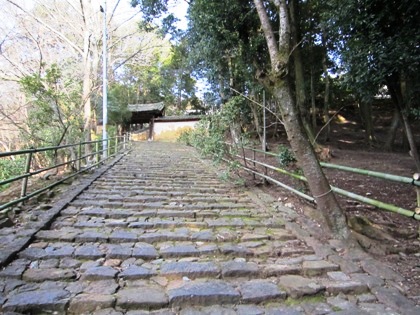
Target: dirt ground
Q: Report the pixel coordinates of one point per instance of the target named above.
(390, 237)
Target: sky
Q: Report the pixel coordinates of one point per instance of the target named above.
(179, 9)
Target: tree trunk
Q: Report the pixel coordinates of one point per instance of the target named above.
(313, 100)
(278, 83)
(366, 114)
(298, 67)
(326, 107)
(256, 116)
(394, 87)
(392, 132)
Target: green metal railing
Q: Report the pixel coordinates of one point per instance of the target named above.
(85, 156)
(379, 204)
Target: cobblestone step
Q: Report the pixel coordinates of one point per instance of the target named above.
(164, 235)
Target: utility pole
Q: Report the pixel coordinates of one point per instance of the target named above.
(104, 86)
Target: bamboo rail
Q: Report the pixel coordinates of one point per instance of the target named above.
(378, 204)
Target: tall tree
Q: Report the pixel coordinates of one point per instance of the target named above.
(378, 42)
(276, 78)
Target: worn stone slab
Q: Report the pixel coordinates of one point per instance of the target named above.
(315, 308)
(51, 274)
(394, 299)
(284, 310)
(99, 273)
(153, 237)
(346, 287)
(377, 309)
(208, 249)
(191, 270)
(240, 269)
(91, 236)
(294, 251)
(257, 291)
(33, 253)
(346, 265)
(88, 252)
(56, 235)
(370, 281)
(338, 276)
(49, 263)
(90, 211)
(59, 251)
(108, 286)
(318, 267)
(179, 250)
(204, 236)
(121, 236)
(116, 223)
(236, 250)
(205, 310)
(37, 301)
(15, 269)
(247, 237)
(118, 252)
(69, 262)
(156, 312)
(203, 293)
(144, 251)
(380, 270)
(280, 270)
(250, 309)
(134, 272)
(146, 297)
(298, 286)
(87, 303)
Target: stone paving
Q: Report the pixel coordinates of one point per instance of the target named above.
(160, 233)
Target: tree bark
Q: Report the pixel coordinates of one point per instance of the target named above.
(366, 114)
(313, 99)
(392, 132)
(326, 107)
(278, 83)
(300, 90)
(394, 87)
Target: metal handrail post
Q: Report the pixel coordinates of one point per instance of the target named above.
(108, 144)
(116, 145)
(27, 170)
(98, 156)
(253, 158)
(79, 157)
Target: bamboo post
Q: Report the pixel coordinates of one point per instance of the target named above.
(27, 170)
(416, 177)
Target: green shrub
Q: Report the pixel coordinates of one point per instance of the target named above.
(10, 168)
(285, 156)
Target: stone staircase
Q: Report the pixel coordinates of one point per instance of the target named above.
(160, 233)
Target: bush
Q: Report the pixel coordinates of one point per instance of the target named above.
(10, 168)
(285, 156)
(207, 138)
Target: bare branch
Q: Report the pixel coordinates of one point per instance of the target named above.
(46, 25)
